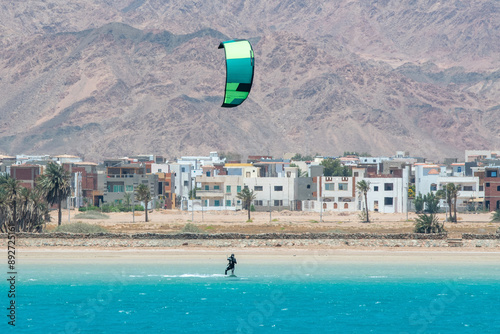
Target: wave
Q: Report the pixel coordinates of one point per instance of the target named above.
(194, 275)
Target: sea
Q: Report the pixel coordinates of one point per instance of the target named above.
(281, 297)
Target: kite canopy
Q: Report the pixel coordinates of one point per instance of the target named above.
(239, 71)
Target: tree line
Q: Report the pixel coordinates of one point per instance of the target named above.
(27, 210)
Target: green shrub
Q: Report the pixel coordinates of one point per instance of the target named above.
(428, 224)
(191, 228)
(80, 228)
(138, 207)
(91, 215)
(496, 217)
(88, 208)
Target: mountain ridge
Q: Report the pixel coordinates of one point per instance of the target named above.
(129, 87)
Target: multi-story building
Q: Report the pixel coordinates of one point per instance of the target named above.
(84, 183)
(426, 177)
(334, 193)
(387, 194)
(492, 188)
(124, 179)
(183, 183)
(165, 189)
(26, 174)
(219, 192)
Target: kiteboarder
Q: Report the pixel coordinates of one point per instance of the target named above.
(230, 265)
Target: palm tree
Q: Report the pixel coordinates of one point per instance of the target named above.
(364, 187)
(55, 183)
(127, 197)
(33, 210)
(452, 192)
(428, 224)
(143, 195)
(431, 201)
(496, 217)
(5, 211)
(247, 196)
(10, 198)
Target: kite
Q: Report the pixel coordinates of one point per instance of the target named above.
(239, 71)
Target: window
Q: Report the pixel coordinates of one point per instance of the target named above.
(257, 202)
(467, 188)
(498, 188)
(388, 186)
(118, 188)
(356, 174)
(433, 187)
(375, 188)
(183, 169)
(388, 201)
(228, 202)
(329, 186)
(167, 184)
(159, 170)
(481, 188)
(208, 173)
(308, 186)
(185, 183)
(129, 188)
(216, 202)
(459, 169)
(207, 187)
(491, 173)
(343, 186)
(258, 188)
(487, 184)
(216, 187)
(228, 189)
(278, 202)
(278, 188)
(238, 189)
(248, 174)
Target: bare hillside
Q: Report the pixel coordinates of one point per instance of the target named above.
(116, 77)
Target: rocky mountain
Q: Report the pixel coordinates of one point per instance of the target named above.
(117, 77)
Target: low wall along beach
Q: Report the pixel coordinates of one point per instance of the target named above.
(147, 240)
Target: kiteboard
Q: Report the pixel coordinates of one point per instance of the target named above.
(232, 276)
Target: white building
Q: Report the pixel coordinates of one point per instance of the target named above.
(197, 162)
(386, 194)
(182, 181)
(335, 193)
(221, 192)
(426, 177)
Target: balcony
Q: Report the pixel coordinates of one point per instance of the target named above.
(218, 193)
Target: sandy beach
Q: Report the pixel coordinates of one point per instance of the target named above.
(258, 256)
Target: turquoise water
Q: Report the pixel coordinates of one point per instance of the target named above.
(280, 298)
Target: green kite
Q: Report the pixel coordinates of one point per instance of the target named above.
(239, 71)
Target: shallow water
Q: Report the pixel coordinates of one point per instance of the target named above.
(297, 297)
